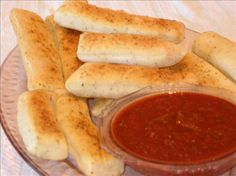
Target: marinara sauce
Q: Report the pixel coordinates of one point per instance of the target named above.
(179, 128)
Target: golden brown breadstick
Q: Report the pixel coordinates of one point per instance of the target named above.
(66, 41)
(89, 18)
(40, 58)
(114, 80)
(218, 51)
(38, 125)
(82, 137)
(128, 49)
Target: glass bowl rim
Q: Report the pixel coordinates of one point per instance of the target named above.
(169, 88)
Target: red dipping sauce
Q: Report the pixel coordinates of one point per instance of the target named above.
(179, 128)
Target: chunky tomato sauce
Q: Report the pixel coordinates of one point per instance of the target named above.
(180, 128)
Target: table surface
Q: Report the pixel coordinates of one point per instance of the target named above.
(218, 16)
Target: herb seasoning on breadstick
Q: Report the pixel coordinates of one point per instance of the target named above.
(128, 49)
(116, 80)
(41, 60)
(90, 18)
(217, 50)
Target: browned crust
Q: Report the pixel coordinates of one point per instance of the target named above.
(217, 50)
(66, 41)
(40, 109)
(41, 60)
(82, 136)
(114, 80)
(128, 49)
(122, 22)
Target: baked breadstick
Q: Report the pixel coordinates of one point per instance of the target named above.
(38, 126)
(99, 104)
(114, 80)
(218, 51)
(82, 137)
(40, 58)
(66, 41)
(89, 18)
(128, 49)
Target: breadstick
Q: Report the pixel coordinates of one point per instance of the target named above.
(99, 104)
(114, 80)
(82, 137)
(128, 49)
(90, 18)
(38, 126)
(66, 41)
(40, 58)
(218, 51)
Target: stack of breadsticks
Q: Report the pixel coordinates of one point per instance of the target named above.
(83, 51)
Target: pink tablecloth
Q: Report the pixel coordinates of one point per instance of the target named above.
(201, 16)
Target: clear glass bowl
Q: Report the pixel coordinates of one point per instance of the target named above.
(211, 168)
